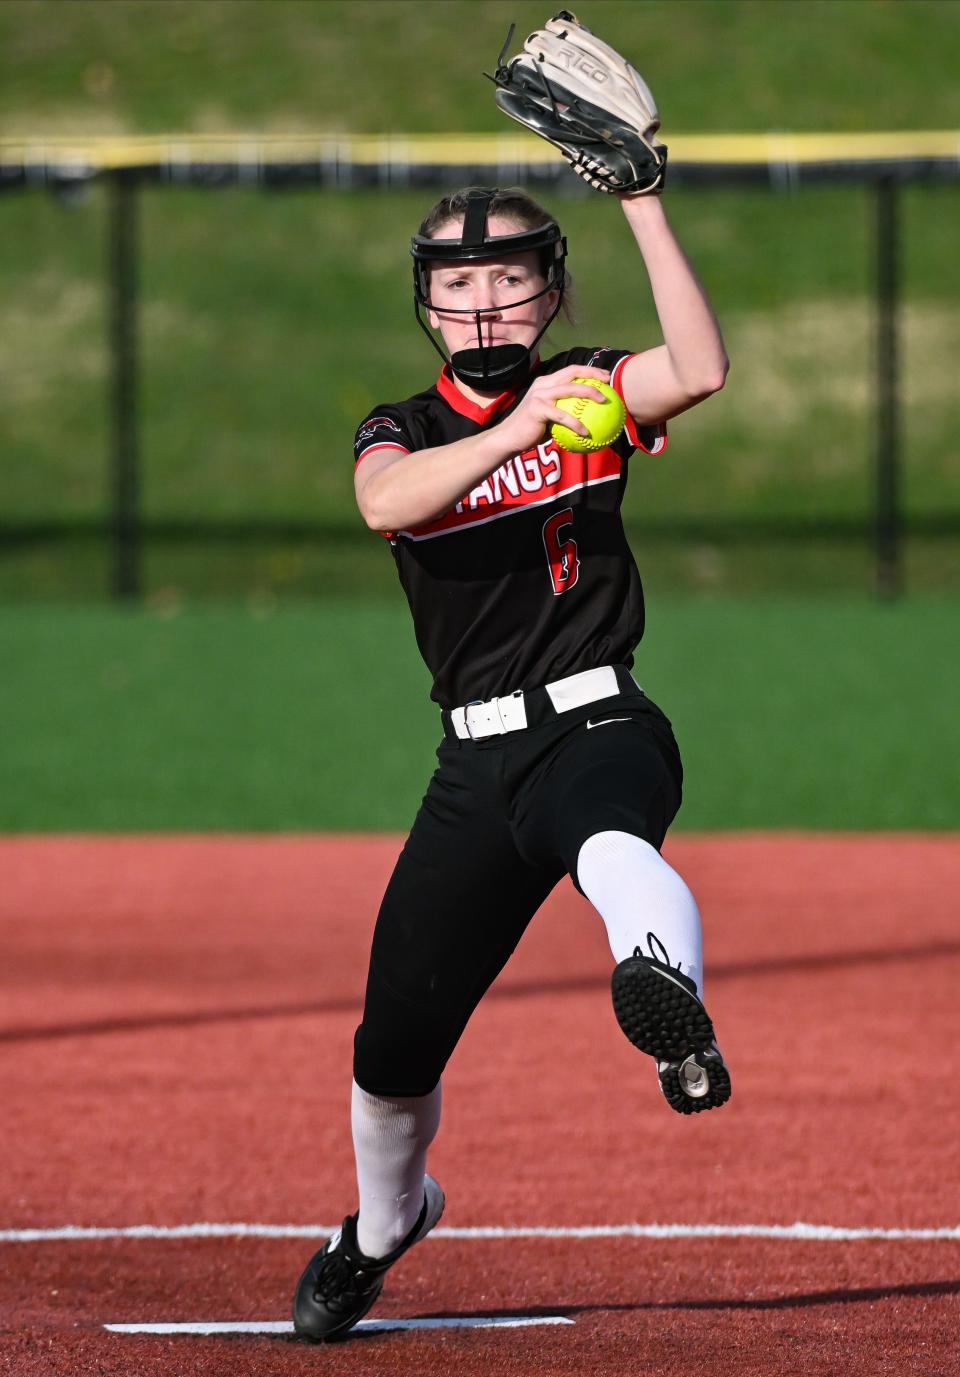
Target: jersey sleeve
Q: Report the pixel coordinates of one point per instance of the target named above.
(384, 428)
(652, 439)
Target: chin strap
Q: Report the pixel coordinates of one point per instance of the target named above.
(490, 366)
(497, 365)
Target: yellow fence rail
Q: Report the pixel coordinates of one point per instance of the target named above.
(382, 157)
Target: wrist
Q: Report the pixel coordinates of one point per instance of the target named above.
(501, 442)
(641, 206)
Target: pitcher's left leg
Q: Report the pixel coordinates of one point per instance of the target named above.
(603, 804)
(653, 926)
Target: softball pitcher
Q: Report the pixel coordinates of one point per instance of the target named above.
(527, 607)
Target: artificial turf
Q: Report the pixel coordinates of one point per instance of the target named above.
(790, 714)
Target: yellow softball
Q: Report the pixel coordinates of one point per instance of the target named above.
(604, 420)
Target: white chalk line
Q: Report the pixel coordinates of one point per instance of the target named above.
(369, 1326)
(798, 1232)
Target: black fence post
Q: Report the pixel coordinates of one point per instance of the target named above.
(888, 580)
(124, 459)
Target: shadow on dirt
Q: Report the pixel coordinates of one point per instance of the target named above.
(841, 1296)
(803, 1300)
(730, 970)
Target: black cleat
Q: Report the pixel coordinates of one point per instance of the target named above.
(341, 1284)
(658, 1009)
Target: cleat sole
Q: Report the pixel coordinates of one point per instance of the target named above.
(668, 1023)
(656, 1013)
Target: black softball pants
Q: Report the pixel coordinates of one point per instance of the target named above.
(502, 821)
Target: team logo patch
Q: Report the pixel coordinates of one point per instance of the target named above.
(371, 427)
(594, 362)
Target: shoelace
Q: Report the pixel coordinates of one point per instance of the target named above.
(336, 1281)
(664, 957)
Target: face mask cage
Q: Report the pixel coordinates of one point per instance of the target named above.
(488, 365)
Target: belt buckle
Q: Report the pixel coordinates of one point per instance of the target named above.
(493, 703)
(472, 703)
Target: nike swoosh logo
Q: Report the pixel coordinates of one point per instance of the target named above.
(605, 720)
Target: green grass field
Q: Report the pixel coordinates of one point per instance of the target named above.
(272, 681)
(270, 322)
(251, 303)
(370, 65)
(789, 714)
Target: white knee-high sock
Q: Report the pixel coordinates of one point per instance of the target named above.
(636, 892)
(390, 1141)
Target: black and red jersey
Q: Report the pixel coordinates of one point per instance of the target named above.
(529, 577)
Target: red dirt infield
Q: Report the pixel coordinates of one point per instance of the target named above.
(175, 1045)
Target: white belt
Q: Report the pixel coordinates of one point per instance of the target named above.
(509, 714)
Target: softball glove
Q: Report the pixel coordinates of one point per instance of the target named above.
(581, 95)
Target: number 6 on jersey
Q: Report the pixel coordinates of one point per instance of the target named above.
(561, 554)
